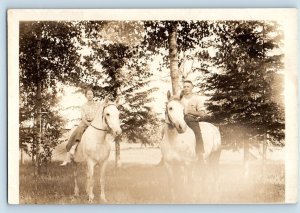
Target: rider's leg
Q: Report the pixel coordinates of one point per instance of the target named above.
(69, 146)
(199, 141)
(70, 155)
(72, 143)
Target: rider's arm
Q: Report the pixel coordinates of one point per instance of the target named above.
(199, 113)
(199, 109)
(83, 117)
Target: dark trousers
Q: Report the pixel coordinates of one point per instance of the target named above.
(193, 123)
(76, 136)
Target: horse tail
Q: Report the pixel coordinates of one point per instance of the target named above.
(216, 151)
(216, 139)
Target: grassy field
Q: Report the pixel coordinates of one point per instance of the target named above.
(146, 184)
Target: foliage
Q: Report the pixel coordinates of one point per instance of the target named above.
(174, 41)
(122, 71)
(58, 57)
(48, 56)
(189, 36)
(243, 78)
(239, 67)
(247, 89)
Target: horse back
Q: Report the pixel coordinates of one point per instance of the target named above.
(94, 145)
(211, 137)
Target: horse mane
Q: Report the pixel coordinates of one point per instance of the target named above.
(101, 106)
(175, 98)
(108, 103)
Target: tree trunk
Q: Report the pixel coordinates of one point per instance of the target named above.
(246, 157)
(33, 155)
(38, 105)
(264, 153)
(22, 156)
(174, 59)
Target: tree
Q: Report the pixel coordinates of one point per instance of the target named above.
(246, 91)
(243, 78)
(177, 37)
(121, 70)
(126, 74)
(59, 55)
(47, 55)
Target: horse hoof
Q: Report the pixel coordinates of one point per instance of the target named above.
(73, 199)
(91, 199)
(103, 199)
(76, 193)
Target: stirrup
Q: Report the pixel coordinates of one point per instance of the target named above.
(68, 159)
(65, 163)
(200, 158)
(161, 163)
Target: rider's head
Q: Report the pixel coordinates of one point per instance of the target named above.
(89, 94)
(187, 87)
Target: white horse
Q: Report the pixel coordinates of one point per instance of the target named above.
(94, 148)
(179, 142)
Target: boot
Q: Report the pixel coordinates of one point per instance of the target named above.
(161, 162)
(200, 158)
(67, 160)
(70, 155)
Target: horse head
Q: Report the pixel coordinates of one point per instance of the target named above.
(175, 114)
(110, 117)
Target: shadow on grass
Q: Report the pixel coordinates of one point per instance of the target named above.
(144, 184)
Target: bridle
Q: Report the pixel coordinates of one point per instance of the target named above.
(105, 121)
(168, 121)
(105, 130)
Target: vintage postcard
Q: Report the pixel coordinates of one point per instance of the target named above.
(152, 106)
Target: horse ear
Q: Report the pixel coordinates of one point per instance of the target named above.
(181, 95)
(105, 101)
(169, 94)
(117, 100)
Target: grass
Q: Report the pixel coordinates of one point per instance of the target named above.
(147, 184)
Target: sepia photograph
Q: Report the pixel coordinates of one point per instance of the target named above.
(152, 106)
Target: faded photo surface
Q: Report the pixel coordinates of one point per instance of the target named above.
(152, 106)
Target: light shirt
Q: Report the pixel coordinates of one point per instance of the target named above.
(193, 103)
(88, 111)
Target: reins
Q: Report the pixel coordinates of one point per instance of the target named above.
(105, 130)
(169, 122)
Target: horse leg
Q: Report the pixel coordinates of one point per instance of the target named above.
(184, 175)
(102, 182)
(76, 189)
(171, 181)
(90, 180)
(191, 180)
(217, 171)
(214, 173)
(186, 180)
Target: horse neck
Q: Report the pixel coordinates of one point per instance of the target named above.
(98, 122)
(171, 131)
